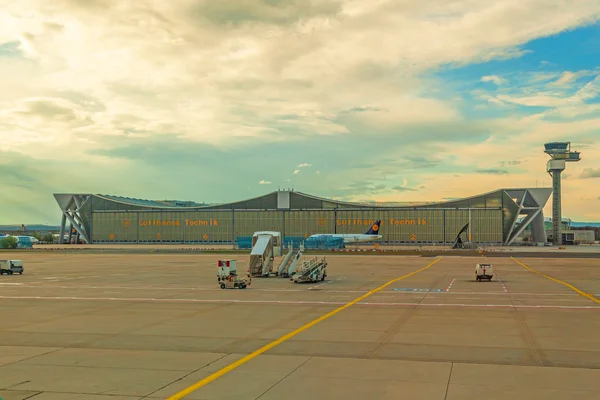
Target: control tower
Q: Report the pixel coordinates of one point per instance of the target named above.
(561, 153)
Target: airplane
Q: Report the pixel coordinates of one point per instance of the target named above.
(33, 239)
(368, 236)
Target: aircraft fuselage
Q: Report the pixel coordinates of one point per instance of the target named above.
(348, 237)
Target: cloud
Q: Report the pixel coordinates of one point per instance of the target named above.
(570, 77)
(590, 173)
(492, 171)
(263, 182)
(492, 78)
(567, 96)
(296, 171)
(510, 162)
(129, 99)
(269, 64)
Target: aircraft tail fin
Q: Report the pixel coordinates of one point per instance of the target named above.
(374, 230)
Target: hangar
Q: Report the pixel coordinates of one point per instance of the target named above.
(495, 218)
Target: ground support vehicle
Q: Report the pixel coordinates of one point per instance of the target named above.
(484, 271)
(10, 267)
(228, 278)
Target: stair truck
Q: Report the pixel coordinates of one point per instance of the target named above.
(311, 271)
(288, 264)
(261, 256)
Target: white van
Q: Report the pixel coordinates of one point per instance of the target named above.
(484, 271)
(11, 266)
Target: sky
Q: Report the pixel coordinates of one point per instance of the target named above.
(219, 101)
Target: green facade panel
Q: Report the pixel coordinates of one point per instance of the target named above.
(419, 226)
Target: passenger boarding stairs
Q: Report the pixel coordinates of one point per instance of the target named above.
(261, 257)
(312, 270)
(289, 262)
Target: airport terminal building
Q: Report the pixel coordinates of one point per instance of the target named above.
(494, 218)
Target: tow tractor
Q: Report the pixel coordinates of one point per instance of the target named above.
(9, 267)
(484, 271)
(228, 278)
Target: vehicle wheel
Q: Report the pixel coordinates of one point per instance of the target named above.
(242, 286)
(222, 286)
(10, 272)
(21, 273)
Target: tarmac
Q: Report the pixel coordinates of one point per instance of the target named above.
(579, 251)
(147, 326)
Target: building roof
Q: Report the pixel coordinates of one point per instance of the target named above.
(270, 199)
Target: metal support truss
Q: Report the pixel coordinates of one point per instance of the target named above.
(528, 202)
(70, 205)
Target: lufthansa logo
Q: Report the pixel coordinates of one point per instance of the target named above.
(375, 228)
(126, 222)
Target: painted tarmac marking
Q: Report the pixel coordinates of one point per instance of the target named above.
(320, 284)
(291, 302)
(559, 281)
(151, 299)
(450, 285)
(512, 294)
(175, 288)
(39, 285)
(282, 339)
(503, 285)
(481, 305)
(413, 290)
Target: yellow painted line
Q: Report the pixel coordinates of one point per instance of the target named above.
(282, 339)
(559, 281)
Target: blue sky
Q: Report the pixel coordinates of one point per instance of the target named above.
(359, 100)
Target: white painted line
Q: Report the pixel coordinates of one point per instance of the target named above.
(512, 293)
(9, 283)
(320, 284)
(450, 285)
(150, 299)
(32, 285)
(181, 288)
(299, 302)
(482, 305)
(503, 286)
